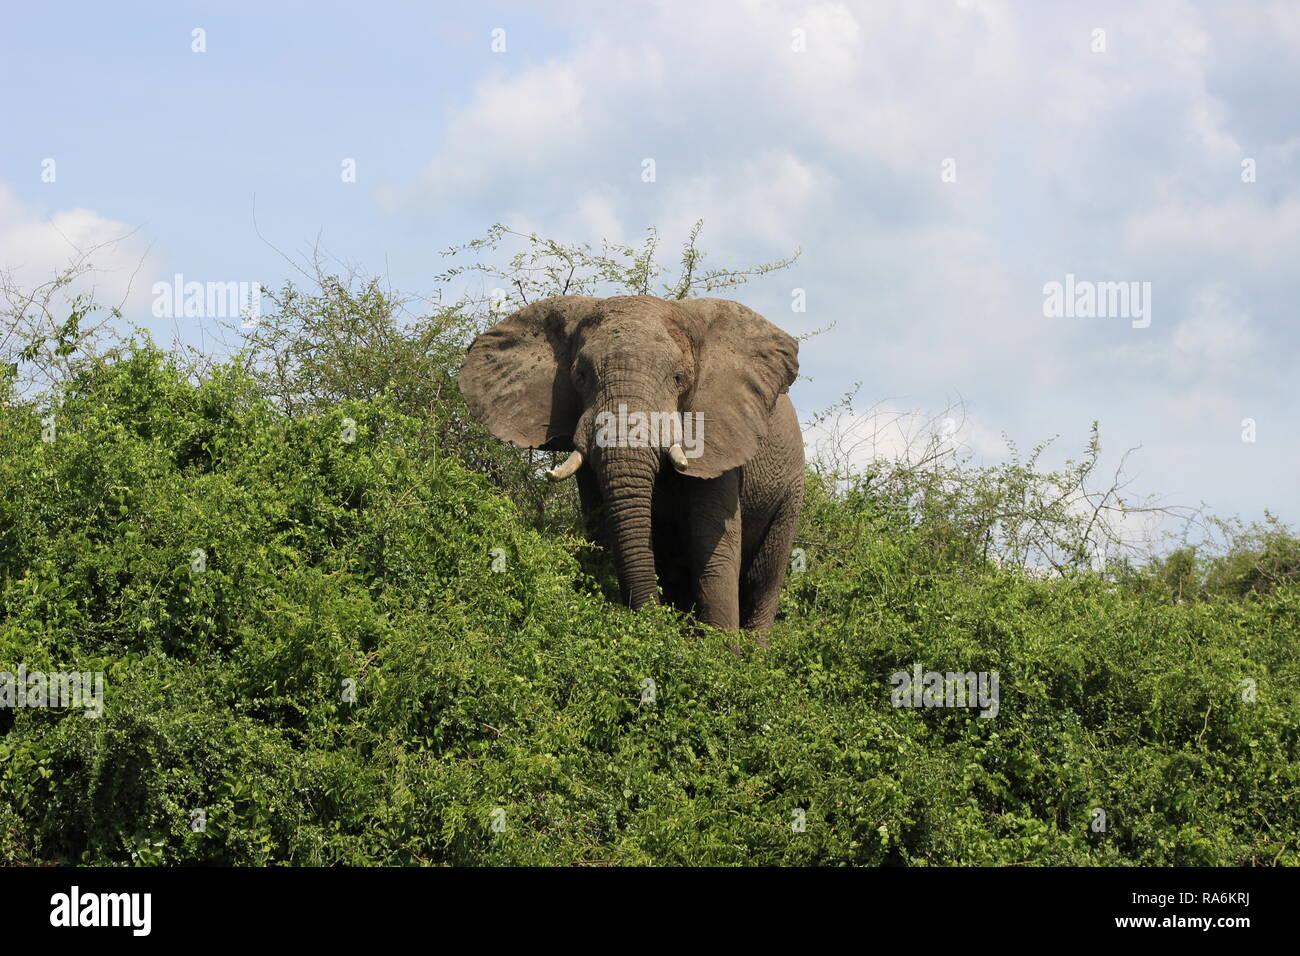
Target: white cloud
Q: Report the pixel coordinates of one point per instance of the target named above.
(1217, 331)
(855, 439)
(764, 197)
(1246, 230)
(1214, 342)
(36, 245)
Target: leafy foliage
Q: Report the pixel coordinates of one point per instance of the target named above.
(504, 716)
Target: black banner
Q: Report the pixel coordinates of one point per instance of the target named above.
(337, 905)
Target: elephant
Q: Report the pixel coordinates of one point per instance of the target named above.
(686, 448)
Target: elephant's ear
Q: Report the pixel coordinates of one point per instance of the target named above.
(516, 375)
(745, 364)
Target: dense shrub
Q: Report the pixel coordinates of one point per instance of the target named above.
(507, 716)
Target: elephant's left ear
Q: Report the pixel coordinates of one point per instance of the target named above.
(745, 364)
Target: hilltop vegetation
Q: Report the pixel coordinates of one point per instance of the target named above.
(517, 697)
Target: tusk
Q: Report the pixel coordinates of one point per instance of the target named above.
(678, 458)
(566, 468)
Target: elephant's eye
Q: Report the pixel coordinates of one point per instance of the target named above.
(680, 379)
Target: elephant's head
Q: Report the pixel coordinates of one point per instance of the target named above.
(574, 373)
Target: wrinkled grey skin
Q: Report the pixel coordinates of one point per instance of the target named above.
(717, 537)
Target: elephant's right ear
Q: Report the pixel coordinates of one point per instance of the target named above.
(516, 375)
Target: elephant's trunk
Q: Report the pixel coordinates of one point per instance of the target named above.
(627, 477)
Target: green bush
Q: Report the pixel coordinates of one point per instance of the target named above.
(504, 711)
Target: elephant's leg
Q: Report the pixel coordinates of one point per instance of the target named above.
(764, 576)
(713, 529)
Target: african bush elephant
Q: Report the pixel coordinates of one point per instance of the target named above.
(686, 448)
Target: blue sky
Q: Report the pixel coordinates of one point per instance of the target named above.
(1118, 164)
